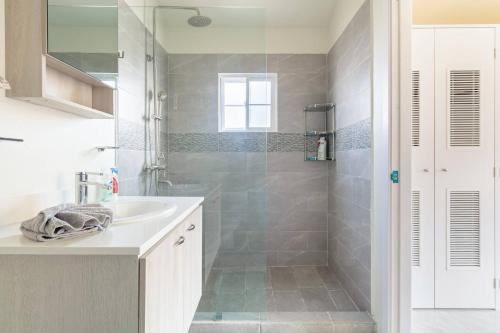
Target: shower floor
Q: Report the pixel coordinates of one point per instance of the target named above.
(277, 300)
(275, 289)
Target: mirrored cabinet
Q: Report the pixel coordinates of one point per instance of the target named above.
(63, 54)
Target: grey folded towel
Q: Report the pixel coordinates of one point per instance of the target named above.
(67, 220)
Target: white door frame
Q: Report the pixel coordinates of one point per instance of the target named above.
(401, 142)
(391, 228)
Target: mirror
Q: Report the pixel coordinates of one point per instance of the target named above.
(84, 35)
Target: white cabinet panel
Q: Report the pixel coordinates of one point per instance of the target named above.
(171, 279)
(161, 296)
(464, 215)
(193, 257)
(453, 116)
(423, 169)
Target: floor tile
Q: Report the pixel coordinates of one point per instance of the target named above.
(329, 279)
(225, 328)
(317, 299)
(307, 277)
(256, 300)
(354, 328)
(342, 301)
(232, 282)
(316, 317)
(214, 280)
(282, 278)
(289, 301)
(229, 302)
(351, 317)
(285, 289)
(296, 328)
(256, 279)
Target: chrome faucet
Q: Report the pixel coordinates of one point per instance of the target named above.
(82, 184)
(154, 167)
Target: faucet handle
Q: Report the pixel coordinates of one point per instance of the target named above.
(83, 176)
(90, 173)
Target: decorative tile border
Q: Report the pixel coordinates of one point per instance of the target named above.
(242, 142)
(356, 136)
(193, 142)
(131, 135)
(237, 142)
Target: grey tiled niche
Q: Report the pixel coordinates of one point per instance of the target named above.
(349, 177)
(273, 204)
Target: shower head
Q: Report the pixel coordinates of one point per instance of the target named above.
(162, 96)
(199, 21)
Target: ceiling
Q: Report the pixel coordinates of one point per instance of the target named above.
(275, 13)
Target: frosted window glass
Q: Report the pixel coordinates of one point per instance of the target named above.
(235, 117)
(235, 93)
(260, 92)
(260, 116)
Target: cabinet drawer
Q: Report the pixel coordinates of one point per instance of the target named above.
(171, 279)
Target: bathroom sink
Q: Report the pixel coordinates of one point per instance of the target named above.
(131, 211)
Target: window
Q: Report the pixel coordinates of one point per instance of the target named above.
(248, 102)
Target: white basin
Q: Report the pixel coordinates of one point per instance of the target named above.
(131, 211)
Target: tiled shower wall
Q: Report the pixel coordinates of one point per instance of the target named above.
(273, 203)
(134, 99)
(349, 68)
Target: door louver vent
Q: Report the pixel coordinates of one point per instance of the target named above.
(415, 228)
(415, 109)
(464, 229)
(464, 104)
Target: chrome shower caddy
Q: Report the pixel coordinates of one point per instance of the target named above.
(311, 136)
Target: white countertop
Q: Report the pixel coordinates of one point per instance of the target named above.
(120, 239)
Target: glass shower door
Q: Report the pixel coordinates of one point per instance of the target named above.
(227, 166)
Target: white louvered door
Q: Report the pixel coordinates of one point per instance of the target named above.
(464, 162)
(423, 169)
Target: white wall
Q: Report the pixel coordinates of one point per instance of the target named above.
(40, 172)
(245, 40)
(343, 13)
(234, 38)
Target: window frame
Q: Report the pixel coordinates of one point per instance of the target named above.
(248, 77)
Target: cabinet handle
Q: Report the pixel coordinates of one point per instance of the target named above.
(444, 170)
(180, 241)
(191, 227)
(426, 170)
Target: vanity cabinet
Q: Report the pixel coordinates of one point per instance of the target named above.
(157, 291)
(171, 279)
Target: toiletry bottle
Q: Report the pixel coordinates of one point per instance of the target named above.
(104, 194)
(114, 175)
(322, 149)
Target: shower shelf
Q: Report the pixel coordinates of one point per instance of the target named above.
(319, 107)
(329, 121)
(318, 133)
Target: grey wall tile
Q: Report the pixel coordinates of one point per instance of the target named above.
(349, 177)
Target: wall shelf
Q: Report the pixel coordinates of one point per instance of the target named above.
(319, 107)
(37, 77)
(310, 135)
(318, 133)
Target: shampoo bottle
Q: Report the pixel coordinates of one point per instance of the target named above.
(322, 149)
(114, 181)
